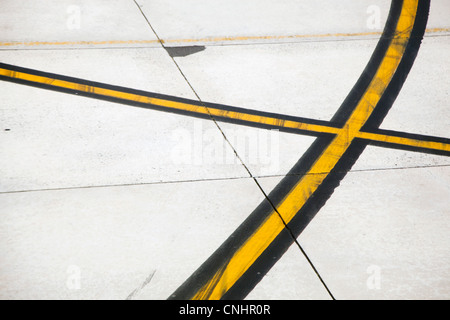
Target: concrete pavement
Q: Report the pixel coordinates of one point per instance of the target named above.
(102, 200)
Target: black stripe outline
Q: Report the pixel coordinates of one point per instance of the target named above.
(294, 228)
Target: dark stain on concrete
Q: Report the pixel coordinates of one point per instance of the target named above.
(176, 52)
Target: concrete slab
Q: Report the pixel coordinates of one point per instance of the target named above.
(114, 239)
(266, 152)
(143, 69)
(377, 158)
(423, 102)
(304, 79)
(439, 9)
(383, 234)
(292, 278)
(119, 23)
(258, 77)
(79, 142)
(221, 19)
(26, 24)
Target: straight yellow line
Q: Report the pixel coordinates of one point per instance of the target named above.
(250, 38)
(302, 191)
(201, 40)
(257, 119)
(431, 145)
(168, 103)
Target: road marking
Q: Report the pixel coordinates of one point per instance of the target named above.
(244, 116)
(7, 44)
(336, 142)
(266, 233)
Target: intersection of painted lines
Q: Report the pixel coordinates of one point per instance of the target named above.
(158, 281)
(250, 118)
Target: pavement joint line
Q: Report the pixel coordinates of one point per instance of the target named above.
(211, 180)
(203, 104)
(212, 40)
(125, 185)
(199, 98)
(297, 243)
(239, 157)
(212, 44)
(359, 170)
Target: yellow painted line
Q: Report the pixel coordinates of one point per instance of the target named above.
(437, 30)
(249, 252)
(431, 145)
(257, 119)
(200, 40)
(169, 104)
(102, 92)
(253, 38)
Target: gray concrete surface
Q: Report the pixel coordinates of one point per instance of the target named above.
(105, 201)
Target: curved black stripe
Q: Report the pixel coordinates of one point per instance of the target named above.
(227, 250)
(371, 69)
(412, 49)
(326, 189)
(296, 226)
(285, 239)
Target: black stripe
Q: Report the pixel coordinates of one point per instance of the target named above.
(413, 136)
(158, 96)
(257, 271)
(285, 239)
(418, 137)
(408, 148)
(334, 124)
(296, 226)
(396, 84)
(357, 92)
(227, 250)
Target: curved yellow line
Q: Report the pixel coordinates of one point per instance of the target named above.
(302, 191)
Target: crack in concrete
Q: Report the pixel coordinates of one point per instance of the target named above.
(142, 286)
